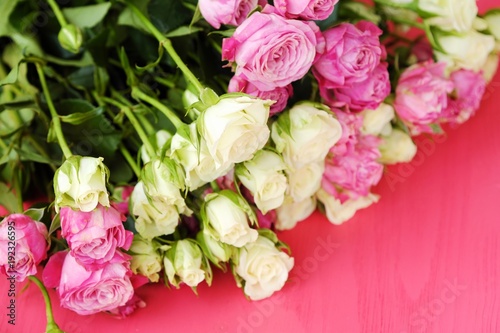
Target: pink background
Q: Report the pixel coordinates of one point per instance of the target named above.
(424, 259)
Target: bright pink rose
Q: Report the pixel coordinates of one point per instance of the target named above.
(272, 51)
(279, 94)
(305, 9)
(351, 126)
(357, 170)
(23, 245)
(232, 12)
(88, 292)
(422, 93)
(352, 54)
(126, 310)
(468, 92)
(94, 237)
(363, 95)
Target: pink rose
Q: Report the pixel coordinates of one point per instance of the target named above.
(357, 170)
(232, 12)
(468, 92)
(279, 94)
(126, 310)
(352, 54)
(272, 51)
(305, 9)
(94, 237)
(422, 93)
(351, 125)
(266, 220)
(23, 245)
(88, 292)
(363, 95)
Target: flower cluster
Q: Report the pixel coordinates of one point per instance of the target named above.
(212, 151)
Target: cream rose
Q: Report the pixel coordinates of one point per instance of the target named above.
(263, 268)
(337, 212)
(145, 258)
(184, 263)
(397, 147)
(291, 212)
(80, 183)
(227, 221)
(457, 15)
(377, 122)
(305, 134)
(153, 217)
(304, 182)
(493, 21)
(158, 141)
(192, 154)
(235, 127)
(469, 50)
(263, 176)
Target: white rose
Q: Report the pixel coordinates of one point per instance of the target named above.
(80, 183)
(263, 176)
(153, 217)
(313, 133)
(184, 263)
(291, 212)
(192, 154)
(457, 15)
(235, 128)
(304, 182)
(163, 180)
(469, 50)
(145, 259)
(227, 221)
(376, 122)
(214, 250)
(491, 67)
(398, 147)
(337, 212)
(263, 267)
(161, 137)
(493, 21)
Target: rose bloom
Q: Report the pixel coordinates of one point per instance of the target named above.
(263, 267)
(30, 240)
(468, 92)
(88, 292)
(351, 124)
(94, 237)
(397, 147)
(352, 54)
(184, 262)
(338, 211)
(187, 149)
(422, 93)
(234, 128)
(234, 230)
(304, 182)
(293, 212)
(455, 15)
(80, 183)
(311, 133)
(358, 170)
(231, 12)
(263, 177)
(279, 94)
(316, 10)
(272, 51)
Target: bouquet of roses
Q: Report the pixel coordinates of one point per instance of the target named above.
(157, 140)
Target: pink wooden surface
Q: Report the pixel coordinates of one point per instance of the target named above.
(424, 259)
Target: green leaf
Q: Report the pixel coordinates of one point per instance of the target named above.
(168, 15)
(56, 224)
(8, 200)
(78, 118)
(35, 213)
(6, 8)
(127, 17)
(13, 120)
(87, 16)
(11, 78)
(183, 31)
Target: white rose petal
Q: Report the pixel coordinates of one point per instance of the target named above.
(263, 267)
(398, 147)
(313, 133)
(291, 212)
(337, 212)
(457, 15)
(469, 50)
(304, 182)
(376, 121)
(229, 221)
